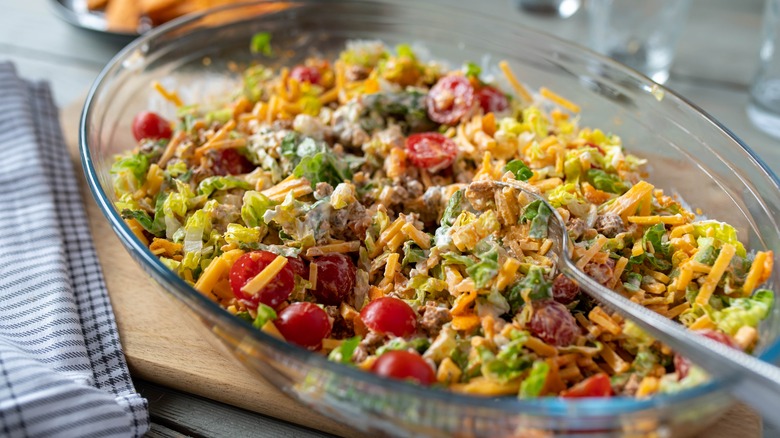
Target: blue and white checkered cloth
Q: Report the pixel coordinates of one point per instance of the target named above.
(62, 370)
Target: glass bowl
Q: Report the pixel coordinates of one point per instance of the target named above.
(692, 155)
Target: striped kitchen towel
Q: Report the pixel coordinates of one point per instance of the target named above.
(62, 370)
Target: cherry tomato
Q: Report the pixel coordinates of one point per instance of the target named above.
(682, 365)
(390, 315)
(299, 267)
(303, 73)
(553, 323)
(492, 100)
(431, 150)
(230, 162)
(248, 266)
(404, 365)
(304, 324)
(594, 386)
(335, 278)
(564, 290)
(147, 124)
(450, 100)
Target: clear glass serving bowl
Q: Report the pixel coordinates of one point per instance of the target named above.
(692, 155)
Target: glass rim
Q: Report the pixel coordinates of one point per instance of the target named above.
(547, 406)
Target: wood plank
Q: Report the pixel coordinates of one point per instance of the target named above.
(189, 415)
(159, 431)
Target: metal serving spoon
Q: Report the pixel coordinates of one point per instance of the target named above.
(750, 379)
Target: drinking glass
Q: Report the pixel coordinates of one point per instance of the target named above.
(764, 105)
(559, 8)
(639, 33)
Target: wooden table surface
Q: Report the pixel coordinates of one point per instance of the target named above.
(713, 73)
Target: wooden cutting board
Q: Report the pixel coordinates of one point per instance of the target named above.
(165, 346)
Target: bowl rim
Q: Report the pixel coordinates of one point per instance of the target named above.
(549, 406)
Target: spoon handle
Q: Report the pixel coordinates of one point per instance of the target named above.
(752, 380)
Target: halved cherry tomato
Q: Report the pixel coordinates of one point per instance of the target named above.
(299, 267)
(147, 124)
(335, 278)
(303, 73)
(390, 315)
(304, 324)
(682, 365)
(248, 266)
(230, 162)
(594, 386)
(492, 100)
(404, 365)
(431, 151)
(450, 100)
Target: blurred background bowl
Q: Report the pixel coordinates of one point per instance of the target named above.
(691, 155)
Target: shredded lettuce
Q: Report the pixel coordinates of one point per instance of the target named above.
(534, 285)
(487, 267)
(406, 106)
(721, 231)
(445, 345)
(533, 384)
(670, 384)
(241, 235)
(707, 253)
(214, 183)
(744, 312)
(563, 195)
(323, 167)
(197, 227)
(606, 181)
(364, 53)
(264, 314)
(453, 209)
(572, 168)
(654, 235)
(343, 353)
(538, 213)
(418, 344)
(412, 253)
(521, 171)
(536, 121)
(511, 360)
(129, 173)
(261, 43)
(255, 204)
(424, 285)
(658, 260)
(633, 281)
(472, 70)
(156, 225)
(343, 195)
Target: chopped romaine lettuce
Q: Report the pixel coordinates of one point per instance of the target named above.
(264, 314)
(521, 171)
(538, 213)
(214, 183)
(254, 207)
(534, 286)
(533, 385)
(343, 353)
(744, 312)
(606, 181)
(129, 173)
(721, 231)
(261, 43)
